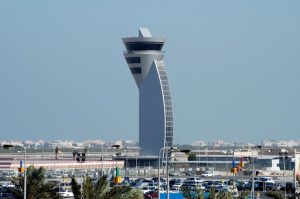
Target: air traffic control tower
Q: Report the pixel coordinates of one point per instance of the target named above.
(145, 60)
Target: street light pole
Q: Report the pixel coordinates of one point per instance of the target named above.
(136, 170)
(136, 161)
(126, 163)
(7, 146)
(102, 159)
(25, 176)
(252, 187)
(227, 165)
(199, 156)
(81, 184)
(80, 157)
(168, 187)
(283, 155)
(167, 172)
(159, 155)
(284, 176)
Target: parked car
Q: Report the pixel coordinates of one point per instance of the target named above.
(151, 194)
(140, 179)
(6, 193)
(266, 179)
(208, 174)
(175, 173)
(145, 190)
(231, 189)
(155, 179)
(194, 186)
(240, 186)
(63, 192)
(174, 181)
(189, 173)
(278, 187)
(290, 187)
(66, 194)
(248, 186)
(176, 186)
(208, 184)
(263, 186)
(193, 180)
(7, 184)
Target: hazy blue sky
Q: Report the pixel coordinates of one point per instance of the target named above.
(233, 66)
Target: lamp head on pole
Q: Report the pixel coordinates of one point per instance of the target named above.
(7, 146)
(115, 146)
(186, 151)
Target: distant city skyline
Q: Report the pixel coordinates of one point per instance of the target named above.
(233, 67)
(134, 144)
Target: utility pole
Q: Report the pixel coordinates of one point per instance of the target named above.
(80, 157)
(284, 156)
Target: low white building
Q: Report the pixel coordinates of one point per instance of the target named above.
(267, 163)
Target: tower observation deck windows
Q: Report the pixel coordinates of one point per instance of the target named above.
(133, 60)
(136, 70)
(136, 46)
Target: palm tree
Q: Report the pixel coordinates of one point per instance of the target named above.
(213, 194)
(75, 188)
(102, 190)
(192, 194)
(88, 188)
(36, 186)
(243, 194)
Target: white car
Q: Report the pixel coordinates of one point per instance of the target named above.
(277, 187)
(8, 184)
(207, 174)
(145, 190)
(266, 179)
(197, 186)
(63, 192)
(66, 194)
(193, 180)
(231, 189)
(177, 186)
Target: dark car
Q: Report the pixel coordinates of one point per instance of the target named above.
(189, 173)
(263, 186)
(6, 193)
(208, 184)
(240, 186)
(290, 187)
(174, 181)
(257, 186)
(151, 194)
(140, 180)
(155, 179)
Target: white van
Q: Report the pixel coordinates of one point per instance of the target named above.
(266, 179)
